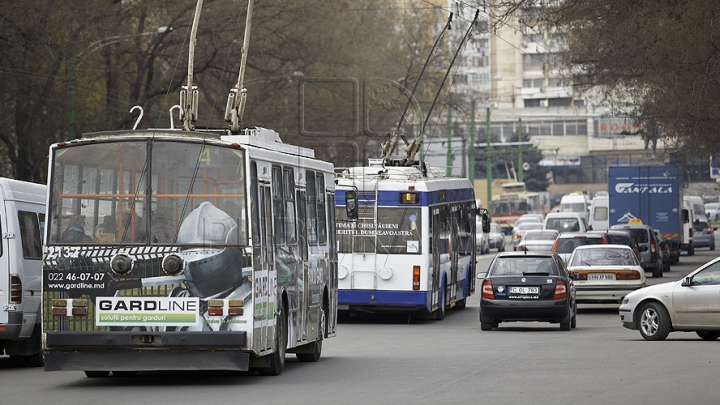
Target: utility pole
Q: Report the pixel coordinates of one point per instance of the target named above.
(520, 157)
(471, 149)
(488, 165)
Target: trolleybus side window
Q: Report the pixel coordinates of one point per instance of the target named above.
(289, 200)
(311, 196)
(321, 212)
(278, 204)
(302, 224)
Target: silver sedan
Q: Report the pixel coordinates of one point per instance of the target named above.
(687, 305)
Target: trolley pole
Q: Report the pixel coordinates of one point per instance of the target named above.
(520, 156)
(471, 149)
(488, 164)
(448, 161)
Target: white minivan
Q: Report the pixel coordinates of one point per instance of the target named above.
(22, 223)
(577, 203)
(600, 213)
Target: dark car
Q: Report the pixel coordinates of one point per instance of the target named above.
(620, 237)
(704, 234)
(567, 242)
(649, 249)
(527, 286)
(664, 250)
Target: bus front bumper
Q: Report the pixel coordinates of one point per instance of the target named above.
(146, 351)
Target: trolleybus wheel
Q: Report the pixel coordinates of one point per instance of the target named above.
(316, 345)
(277, 359)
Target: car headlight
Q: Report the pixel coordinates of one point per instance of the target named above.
(626, 300)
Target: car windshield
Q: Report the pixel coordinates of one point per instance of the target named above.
(604, 257)
(569, 244)
(564, 224)
(528, 225)
(523, 266)
(530, 235)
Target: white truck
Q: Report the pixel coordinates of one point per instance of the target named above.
(22, 223)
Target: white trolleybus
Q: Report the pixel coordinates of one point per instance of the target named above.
(187, 250)
(412, 246)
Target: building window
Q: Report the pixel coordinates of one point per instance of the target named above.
(532, 103)
(533, 38)
(480, 78)
(534, 59)
(533, 83)
(558, 82)
(560, 102)
(460, 79)
(579, 103)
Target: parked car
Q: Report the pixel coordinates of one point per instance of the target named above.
(519, 231)
(664, 250)
(566, 243)
(496, 237)
(540, 240)
(527, 286)
(605, 273)
(649, 251)
(681, 305)
(704, 234)
(566, 222)
(711, 210)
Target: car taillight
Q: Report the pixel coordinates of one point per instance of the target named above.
(653, 248)
(516, 236)
(522, 248)
(635, 275)
(487, 290)
(560, 290)
(709, 230)
(416, 278)
(555, 245)
(15, 289)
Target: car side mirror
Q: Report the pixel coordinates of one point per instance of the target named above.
(687, 282)
(485, 219)
(351, 204)
(482, 275)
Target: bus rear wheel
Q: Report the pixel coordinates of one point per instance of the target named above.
(316, 345)
(277, 359)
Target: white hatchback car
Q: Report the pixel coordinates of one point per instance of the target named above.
(687, 305)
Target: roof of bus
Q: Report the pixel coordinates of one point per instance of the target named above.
(16, 190)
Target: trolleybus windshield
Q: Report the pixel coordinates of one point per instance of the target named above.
(141, 192)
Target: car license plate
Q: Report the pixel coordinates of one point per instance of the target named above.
(601, 277)
(524, 290)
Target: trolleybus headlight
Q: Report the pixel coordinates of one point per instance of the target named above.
(342, 272)
(173, 264)
(121, 264)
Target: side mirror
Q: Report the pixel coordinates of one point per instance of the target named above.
(687, 282)
(351, 204)
(483, 213)
(686, 216)
(482, 275)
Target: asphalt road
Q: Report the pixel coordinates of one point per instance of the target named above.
(396, 360)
